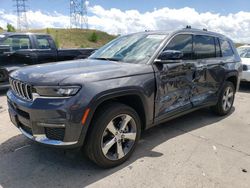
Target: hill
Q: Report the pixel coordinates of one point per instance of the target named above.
(77, 38)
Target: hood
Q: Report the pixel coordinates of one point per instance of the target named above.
(245, 61)
(78, 71)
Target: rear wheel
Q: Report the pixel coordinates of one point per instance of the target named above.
(114, 134)
(226, 99)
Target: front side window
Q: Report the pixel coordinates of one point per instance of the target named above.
(226, 48)
(244, 52)
(183, 43)
(17, 42)
(43, 43)
(136, 48)
(204, 47)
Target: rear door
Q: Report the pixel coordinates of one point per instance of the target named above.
(45, 49)
(174, 80)
(209, 69)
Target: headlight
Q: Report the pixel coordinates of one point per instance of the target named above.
(56, 91)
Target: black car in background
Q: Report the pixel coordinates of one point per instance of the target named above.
(22, 49)
(131, 84)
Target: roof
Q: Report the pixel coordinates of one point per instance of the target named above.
(189, 30)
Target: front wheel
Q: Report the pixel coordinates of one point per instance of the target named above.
(226, 99)
(114, 134)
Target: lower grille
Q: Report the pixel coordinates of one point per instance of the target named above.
(55, 133)
(245, 68)
(26, 129)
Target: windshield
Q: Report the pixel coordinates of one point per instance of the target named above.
(244, 52)
(137, 48)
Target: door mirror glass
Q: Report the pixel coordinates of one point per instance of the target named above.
(170, 55)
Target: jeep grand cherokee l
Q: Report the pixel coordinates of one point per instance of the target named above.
(131, 84)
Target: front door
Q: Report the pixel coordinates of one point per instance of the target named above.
(20, 50)
(175, 79)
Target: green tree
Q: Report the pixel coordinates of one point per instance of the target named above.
(11, 28)
(93, 37)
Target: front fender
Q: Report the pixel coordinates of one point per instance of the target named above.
(112, 94)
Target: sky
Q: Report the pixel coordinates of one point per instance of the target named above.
(229, 17)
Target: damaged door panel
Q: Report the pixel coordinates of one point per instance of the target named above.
(175, 79)
(174, 88)
(207, 77)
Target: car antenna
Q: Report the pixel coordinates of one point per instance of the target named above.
(204, 29)
(188, 27)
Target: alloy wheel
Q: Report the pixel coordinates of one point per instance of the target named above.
(227, 100)
(119, 137)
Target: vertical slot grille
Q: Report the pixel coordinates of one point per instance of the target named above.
(23, 90)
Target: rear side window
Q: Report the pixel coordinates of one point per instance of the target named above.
(18, 42)
(204, 47)
(226, 48)
(183, 43)
(43, 42)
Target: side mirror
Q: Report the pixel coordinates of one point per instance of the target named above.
(170, 55)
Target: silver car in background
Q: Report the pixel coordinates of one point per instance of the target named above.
(244, 52)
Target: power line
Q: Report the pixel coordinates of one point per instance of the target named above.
(78, 14)
(22, 23)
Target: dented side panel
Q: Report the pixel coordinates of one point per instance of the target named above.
(207, 79)
(174, 88)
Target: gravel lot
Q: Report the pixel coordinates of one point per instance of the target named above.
(197, 150)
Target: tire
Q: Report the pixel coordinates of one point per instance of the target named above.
(3, 75)
(221, 108)
(108, 126)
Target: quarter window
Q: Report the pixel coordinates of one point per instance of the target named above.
(204, 47)
(183, 43)
(226, 48)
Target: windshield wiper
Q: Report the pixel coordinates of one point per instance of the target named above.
(104, 58)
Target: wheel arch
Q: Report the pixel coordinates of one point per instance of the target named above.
(233, 77)
(131, 97)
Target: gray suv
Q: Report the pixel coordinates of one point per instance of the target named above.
(131, 84)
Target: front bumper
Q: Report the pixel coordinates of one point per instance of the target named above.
(245, 76)
(47, 121)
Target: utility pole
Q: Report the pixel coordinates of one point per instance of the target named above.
(22, 23)
(78, 14)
